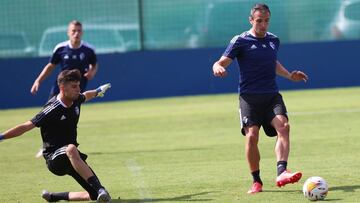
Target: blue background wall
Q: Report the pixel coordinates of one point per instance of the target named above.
(150, 74)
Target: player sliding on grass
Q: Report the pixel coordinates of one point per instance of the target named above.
(260, 101)
(58, 123)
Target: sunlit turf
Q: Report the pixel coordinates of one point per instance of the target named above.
(190, 149)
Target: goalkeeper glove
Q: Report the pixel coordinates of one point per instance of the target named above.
(102, 89)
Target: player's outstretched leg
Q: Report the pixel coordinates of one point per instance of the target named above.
(287, 177)
(46, 195)
(54, 197)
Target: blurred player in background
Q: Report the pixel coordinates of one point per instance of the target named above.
(58, 125)
(71, 54)
(261, 104)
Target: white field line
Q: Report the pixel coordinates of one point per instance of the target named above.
(139, 183)
(352, 110)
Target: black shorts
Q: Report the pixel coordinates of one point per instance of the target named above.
(259, 110)
(59, 164)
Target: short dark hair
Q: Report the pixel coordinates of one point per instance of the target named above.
(67, 76)
(259, 7)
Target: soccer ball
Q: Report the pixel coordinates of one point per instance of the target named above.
(315, 188)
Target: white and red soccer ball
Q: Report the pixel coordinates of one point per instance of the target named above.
(315, 188)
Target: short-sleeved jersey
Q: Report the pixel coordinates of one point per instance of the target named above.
(70, 58)
(58, 123)
(257, 61)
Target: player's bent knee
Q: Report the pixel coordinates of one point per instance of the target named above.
(287, 125)
(252, 138)
(71, 150)
(284, 129)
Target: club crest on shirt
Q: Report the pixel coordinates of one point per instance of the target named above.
(66, 56)
(272, 45)
(82, 56)
(77, 110)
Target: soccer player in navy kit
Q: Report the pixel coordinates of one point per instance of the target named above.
(261, 104)
(71, 54)
(58, 125)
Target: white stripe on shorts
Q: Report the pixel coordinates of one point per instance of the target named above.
(58, 152)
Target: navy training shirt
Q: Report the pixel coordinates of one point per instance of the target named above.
(70, 58)
(257, 61)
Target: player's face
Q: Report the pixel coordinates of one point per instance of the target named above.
(71, 90)
(75, 33)
(260, 23)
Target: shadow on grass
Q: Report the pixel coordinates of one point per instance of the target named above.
(149, 151)
(187, 198)
(287, 191)
(300, 192)
(345, 188)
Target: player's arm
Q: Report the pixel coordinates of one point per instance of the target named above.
(90, 74)
(43, 75)
(219, 67)
(293, 76)
(98, 92)
(17, 130)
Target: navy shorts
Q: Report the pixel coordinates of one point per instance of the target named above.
(259, 110)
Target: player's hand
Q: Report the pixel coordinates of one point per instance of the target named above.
(219, 71)
(102, 89)
(35, 88)
(298, 76)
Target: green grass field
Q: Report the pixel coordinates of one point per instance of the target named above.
(190, 149)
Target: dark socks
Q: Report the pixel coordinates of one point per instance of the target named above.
(256, 176)
(281, 167)
(57, 196)
(95, 183)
